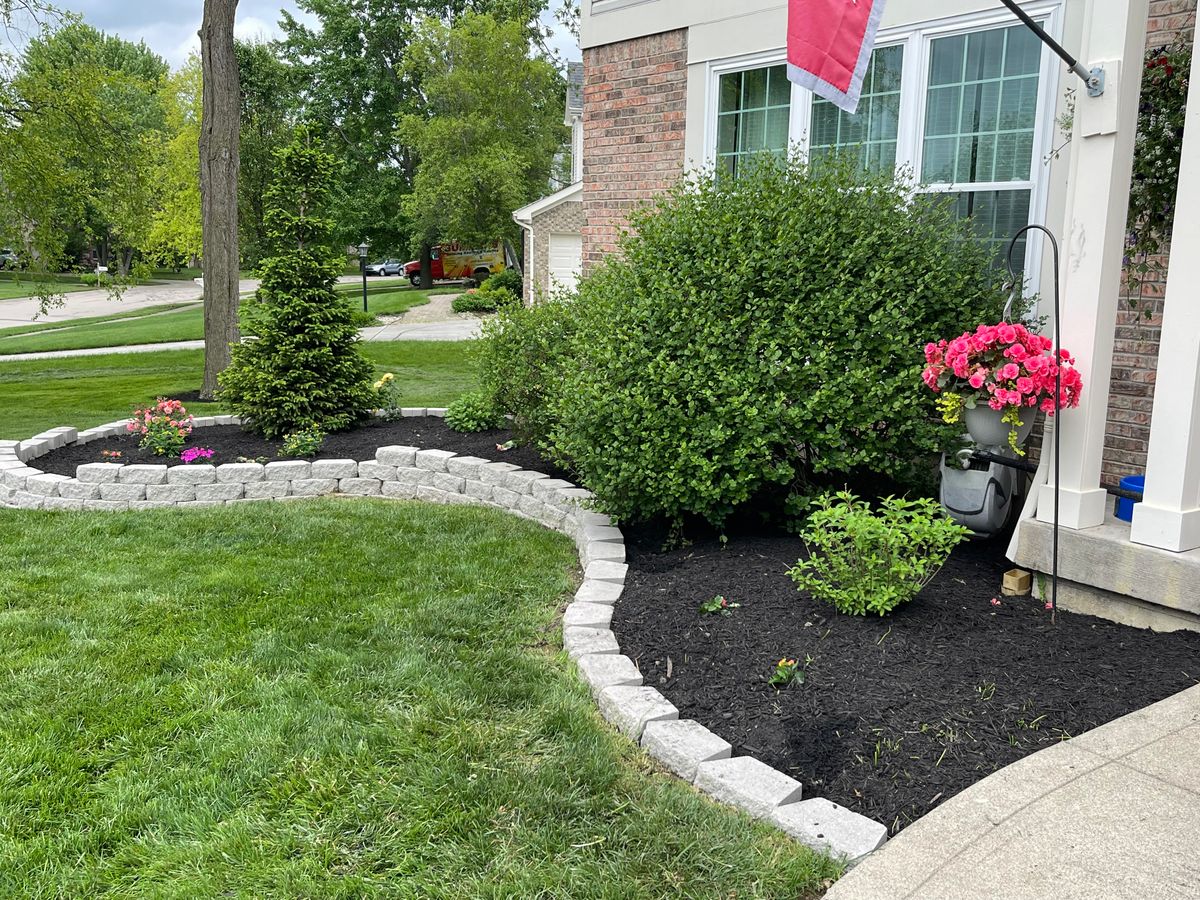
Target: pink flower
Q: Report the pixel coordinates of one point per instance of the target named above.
(978, 378)
(995, 601)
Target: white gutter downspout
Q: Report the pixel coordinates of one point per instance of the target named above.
(527, 229)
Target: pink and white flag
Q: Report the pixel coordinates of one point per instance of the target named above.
(829, 46)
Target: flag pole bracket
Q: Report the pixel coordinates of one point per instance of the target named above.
(1093, 79)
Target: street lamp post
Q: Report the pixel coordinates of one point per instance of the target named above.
(362, 264)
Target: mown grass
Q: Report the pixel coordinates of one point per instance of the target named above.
(330, 699)
(89, 390)
(150, 327)
(15, 285)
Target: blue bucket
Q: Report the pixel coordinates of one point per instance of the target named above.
(1125, 505)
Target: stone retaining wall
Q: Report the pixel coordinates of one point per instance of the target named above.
(685, 747)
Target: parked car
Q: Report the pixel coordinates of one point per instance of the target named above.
(387, 267)
(8, 259)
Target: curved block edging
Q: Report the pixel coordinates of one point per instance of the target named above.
(685, 747)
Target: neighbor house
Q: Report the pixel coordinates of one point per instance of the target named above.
(964, 97)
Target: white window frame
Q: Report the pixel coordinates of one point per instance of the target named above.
(917, 41)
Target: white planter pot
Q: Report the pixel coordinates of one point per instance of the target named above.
(986, 428)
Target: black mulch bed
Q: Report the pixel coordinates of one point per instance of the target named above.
(896, 715)
(231, 442)
(899, 713)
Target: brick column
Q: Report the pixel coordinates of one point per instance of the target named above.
(634, 110)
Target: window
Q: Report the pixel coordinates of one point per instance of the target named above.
(953, 103)
(753, 115)
(874, 129)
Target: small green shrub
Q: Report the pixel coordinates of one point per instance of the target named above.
(521, 357)
(484, 299)
(473, 412)
(305, 366)
(863, 560)
(303, 443)
(510, 280)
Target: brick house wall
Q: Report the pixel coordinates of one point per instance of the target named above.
(566, 218)
(634, 112)
(1139, 325)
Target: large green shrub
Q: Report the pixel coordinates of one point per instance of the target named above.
(302, 368)
(758, 332)
(521, 359)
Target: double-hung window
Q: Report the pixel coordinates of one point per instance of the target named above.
(960, 107)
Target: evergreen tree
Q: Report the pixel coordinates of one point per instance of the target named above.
(303, 367)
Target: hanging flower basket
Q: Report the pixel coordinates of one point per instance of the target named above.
(997, 378)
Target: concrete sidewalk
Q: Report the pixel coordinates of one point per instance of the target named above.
(86, 304)
(1113, 814)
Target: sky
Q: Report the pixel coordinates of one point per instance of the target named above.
(169, 27)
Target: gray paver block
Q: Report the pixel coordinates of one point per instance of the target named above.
(219, 491)
(830, 828)
(193, 475)
(98, 473)
(438, 412)
(414, 476)
(748, 784)
(79, 490)
(522, 480)
(412, 412)
(267, 490)
(32, 449)
(598, 592)
(590, 532)
(26, 500)
(595, 550)
(572, 498)
(44, 485)
(361, 487)
(683, 745)
(433, 460)
(465, 466)
(334, 468)
(170, 493)
(123, 492)
(546, 489)
(240, 473)
(151, 504)
(606, 570)
(398, 455)
(451, 484)
(288, 470)
(478, 490)
(377, 470)
(143, 474)
(312, 487)
(505, 498)
(588, 615)
(629, 708)
(583, 641)
(494, 473)
(601, 670)
(588, 518)
(399, 490)
(107, 505)
(61, 503)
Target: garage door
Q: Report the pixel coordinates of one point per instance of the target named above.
(566, 260)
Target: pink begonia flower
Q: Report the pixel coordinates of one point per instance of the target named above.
(976, 381)
(1009, 372)
(1024, 385)
(1006, 333)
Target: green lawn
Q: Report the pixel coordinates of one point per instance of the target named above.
(89, 390)
(150, 327)
(14, 285)
(336, 699)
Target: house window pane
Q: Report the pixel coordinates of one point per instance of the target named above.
(986, 111)
(871, 132)
(995, 217)
(753, 115)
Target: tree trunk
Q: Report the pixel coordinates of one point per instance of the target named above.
(219, 161)
(126, 261)
(426, 267)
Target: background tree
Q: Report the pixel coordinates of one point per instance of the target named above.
(269, 103)
(305, 368)
(81, 144)
(493, 124)
(175, 238)
(219, 188)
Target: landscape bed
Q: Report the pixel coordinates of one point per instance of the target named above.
(894, 715)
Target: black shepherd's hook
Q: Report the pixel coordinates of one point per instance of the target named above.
(1017, 280)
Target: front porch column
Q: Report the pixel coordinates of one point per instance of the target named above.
(1098, 199)
(1169, 515)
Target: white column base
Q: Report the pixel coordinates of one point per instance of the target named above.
(1077, 509)
(1167, 529)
